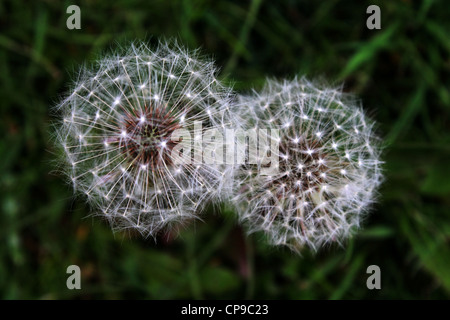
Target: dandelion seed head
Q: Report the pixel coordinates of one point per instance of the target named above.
(322, 191)
(117, 126)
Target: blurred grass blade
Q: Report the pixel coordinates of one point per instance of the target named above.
(439, 33)
(407, 117)
(351, 274)
(437, 181)
(431, 248)
(243, 36)
(377, 232)
(368, 51)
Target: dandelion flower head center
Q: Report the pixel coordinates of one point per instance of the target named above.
(147, 135)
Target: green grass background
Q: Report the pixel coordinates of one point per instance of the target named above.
(401, 73)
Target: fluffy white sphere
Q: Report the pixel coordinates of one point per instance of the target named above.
(328, 164)
(117, 135)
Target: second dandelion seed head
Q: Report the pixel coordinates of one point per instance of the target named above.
(328, 165)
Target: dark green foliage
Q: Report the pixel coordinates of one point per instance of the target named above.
(401, 72)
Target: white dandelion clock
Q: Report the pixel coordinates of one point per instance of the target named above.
(122, 127)
(327, 165)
